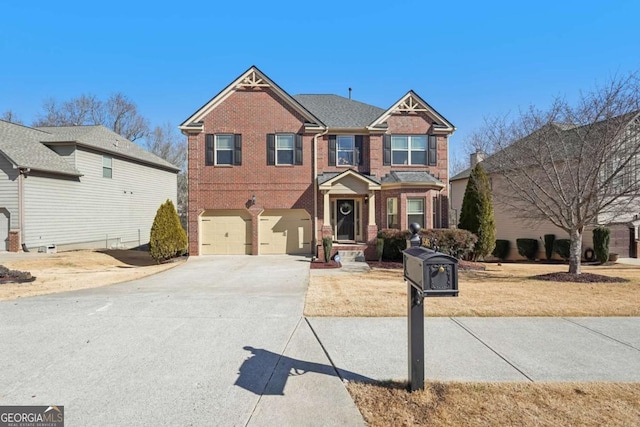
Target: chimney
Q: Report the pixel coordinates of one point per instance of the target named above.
(477, 157)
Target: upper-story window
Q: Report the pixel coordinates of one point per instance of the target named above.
(345, 150)
(107, 166)
(410, 150)
(223, 149)
(284, 149)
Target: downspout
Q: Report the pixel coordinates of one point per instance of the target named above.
(22, 172)
(315, 190)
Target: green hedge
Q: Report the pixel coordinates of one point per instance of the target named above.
(527, 248)
(601, 238)
(451, 241)
(562, 247)
(395, 241)
(548, 245)
(167, 238)
(501, 251)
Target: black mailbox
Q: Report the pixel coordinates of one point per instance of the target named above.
(432, 273)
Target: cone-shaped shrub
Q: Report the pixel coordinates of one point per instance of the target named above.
(601, 238)
(168, 239)
(476, 214)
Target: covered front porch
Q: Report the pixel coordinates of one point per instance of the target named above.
(348, 206)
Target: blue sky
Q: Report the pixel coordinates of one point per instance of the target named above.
(468, 59)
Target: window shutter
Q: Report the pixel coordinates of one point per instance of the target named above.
(386, 155)
(433, 150)
(298, 153)
(237, 149)
(271, 149)
(359, 154)
(332, 150)
(209, 148)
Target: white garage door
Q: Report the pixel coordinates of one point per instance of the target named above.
(285, 232)
(225, 232)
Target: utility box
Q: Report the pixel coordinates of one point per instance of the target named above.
(432, 273)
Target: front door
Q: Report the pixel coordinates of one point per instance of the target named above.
(346, 219)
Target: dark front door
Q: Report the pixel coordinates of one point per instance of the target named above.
(346, 217)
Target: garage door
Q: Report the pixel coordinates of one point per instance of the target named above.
(285, 232)
(225, 233)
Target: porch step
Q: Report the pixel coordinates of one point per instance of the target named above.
(351, 255)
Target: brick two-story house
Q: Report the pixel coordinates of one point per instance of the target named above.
(271, 173)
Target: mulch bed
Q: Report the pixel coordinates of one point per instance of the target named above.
(579, 278)
(462, 265)
(322, 265)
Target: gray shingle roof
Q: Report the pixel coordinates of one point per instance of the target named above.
(461, 175)
(417, 177)
(100, 138)
(22, 146)
(339, 112)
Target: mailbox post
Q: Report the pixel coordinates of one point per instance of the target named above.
(427, 273)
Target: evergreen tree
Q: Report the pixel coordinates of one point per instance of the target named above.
(476, 214)
(168, 238)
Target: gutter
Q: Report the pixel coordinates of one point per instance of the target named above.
(315, 189)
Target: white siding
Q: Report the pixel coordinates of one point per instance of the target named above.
(456, 195)
(93, 211)
(9, 191)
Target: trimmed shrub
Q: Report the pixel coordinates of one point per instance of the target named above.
(527, 248)
(395, 241)
(562, 247)
(601, 238)
(548, 245)
(379, 248)
(501, 251)
(327, 245)
(168, 239)
(476, 214)
(455, 242)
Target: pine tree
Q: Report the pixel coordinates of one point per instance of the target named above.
(476, 214)
(168, 238)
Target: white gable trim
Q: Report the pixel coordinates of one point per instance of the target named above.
(252, 78)
(411, 102)
(328, 184)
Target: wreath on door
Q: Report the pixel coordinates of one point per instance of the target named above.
(346, 208)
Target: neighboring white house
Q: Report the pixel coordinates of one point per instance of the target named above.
(78, 187)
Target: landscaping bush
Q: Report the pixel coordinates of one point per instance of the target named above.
(501, 251)
(527, 248)
(168, 239)
(379, 248)
(395, 241)
(601, 238)
(548, 245)
(327, 244)
(455, 242)
(562, 247)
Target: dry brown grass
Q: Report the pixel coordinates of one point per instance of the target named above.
(67, 271)
(501, 290)
(499, 404)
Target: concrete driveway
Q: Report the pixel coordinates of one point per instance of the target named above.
(217, 341)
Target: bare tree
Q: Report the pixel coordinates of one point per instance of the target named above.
(118, 113)
(10, 116)
(573, 166)
(164, 141)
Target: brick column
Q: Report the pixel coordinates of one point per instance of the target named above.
(14, 241)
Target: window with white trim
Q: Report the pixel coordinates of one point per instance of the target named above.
(345, 147)
(224, 149)
(284, 149)
(409, 149)
(392, 212)
(415, 211)
(107, 167)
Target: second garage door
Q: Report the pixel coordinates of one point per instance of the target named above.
(225, 232)
(286, 231)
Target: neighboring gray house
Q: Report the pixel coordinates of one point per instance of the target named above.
(78, 187)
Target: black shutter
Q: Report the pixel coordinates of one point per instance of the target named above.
(237, 149)
(332, 150)
(271, 149)
(209, 149)
(298, 153)
(433, 150)
(359, 154)
(386, 155)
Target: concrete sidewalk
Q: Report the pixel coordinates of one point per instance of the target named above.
(488, 349)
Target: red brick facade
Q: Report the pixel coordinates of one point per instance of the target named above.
(257, 111)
